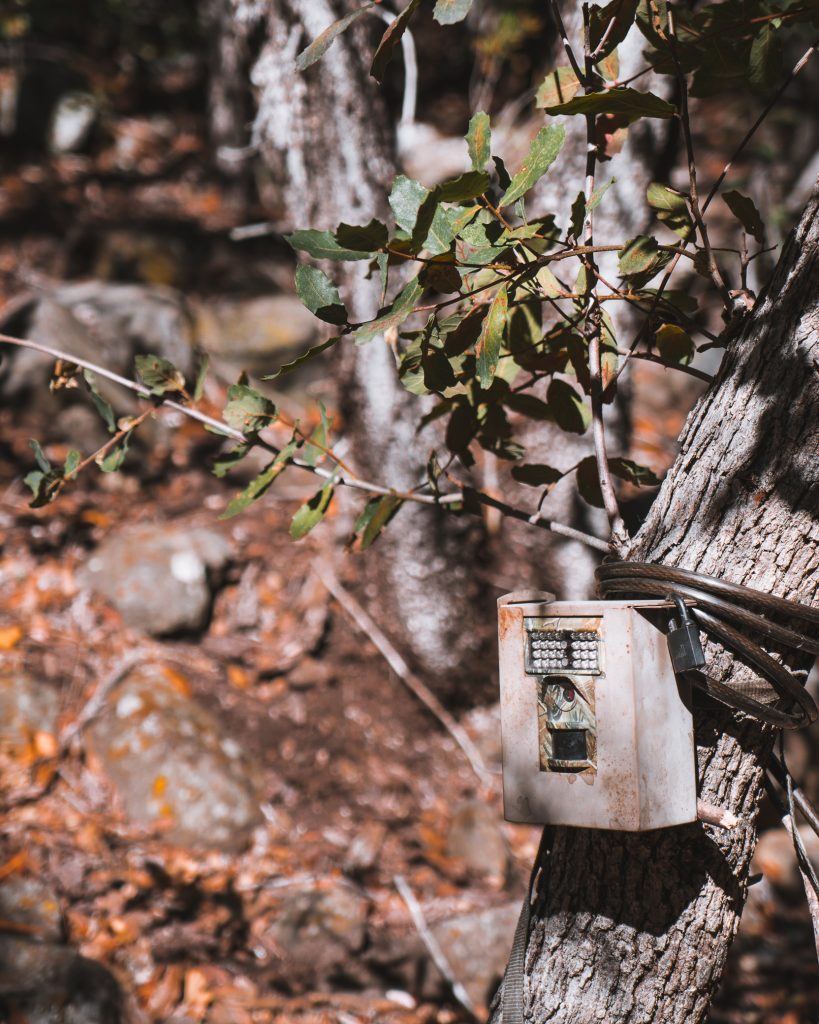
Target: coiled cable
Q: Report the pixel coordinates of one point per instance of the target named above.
(728, 613)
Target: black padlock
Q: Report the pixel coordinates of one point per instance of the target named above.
(684, 641)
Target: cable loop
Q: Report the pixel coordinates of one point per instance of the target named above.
(727, 612)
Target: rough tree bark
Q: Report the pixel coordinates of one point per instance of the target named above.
(636, 928)
(324, 136)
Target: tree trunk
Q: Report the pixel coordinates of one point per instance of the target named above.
(324, 137)
(636, 928)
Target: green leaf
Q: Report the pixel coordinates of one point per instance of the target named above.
(318, 293)
(201, 377)
(322, 245)
(102, 405)
(639, 255)
(631, 471)
(365, 238)
(248, 410)
(478, 140)
(674, 344)
(626, 103)
(597, 195)
(588, 482)
(465, 186)
(257, 487)
(39, 456)
(536, 475)
(72, 461)
(588, 479)
(559, 86)
(642, 258)
(302, 359)
(487, 350)
(441, 277)
(745, 211)
(449, 12)
(225, 462)
(542, 154)
(389, 41)
(114, 458)
(311, 513)
(528, 405)
(393, 315)
(406, 198)
(765, 64)
(569, 410)
(159, 374)
(622, 12)
(671, 208)
(460, 429)
(322, 43)
(377, 513)
(321, 433)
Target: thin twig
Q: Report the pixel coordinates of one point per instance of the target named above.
(593, 327)
(431, 943)
(693, 199)
(367, 486)
(803, 60)
(367, 626)
(650, 357)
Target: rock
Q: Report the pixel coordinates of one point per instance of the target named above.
(318, 931)
(476, 838)
(365, 848)
(72, 120)
(477, 946)
(172, 765)
(105, 323)
(49, 984)
(258, 335)
(159, 575)
(26, 709)
(310, 672)
(775, 857)
(30, 903)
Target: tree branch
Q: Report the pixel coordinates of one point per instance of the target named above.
(222, 428)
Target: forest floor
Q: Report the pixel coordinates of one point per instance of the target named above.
(360, 784)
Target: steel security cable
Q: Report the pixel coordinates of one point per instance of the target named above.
(728, 613)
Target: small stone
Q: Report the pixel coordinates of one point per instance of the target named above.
(30, 903)
(476, 838)
(172, 764)
(312, 916)
(159, 576)
(43, 984)
(26, 709)
(365, 848)
(310, 672)
(477, 946)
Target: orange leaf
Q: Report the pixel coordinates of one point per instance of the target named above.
(10, 636)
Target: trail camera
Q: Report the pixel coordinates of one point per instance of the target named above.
(597, 730)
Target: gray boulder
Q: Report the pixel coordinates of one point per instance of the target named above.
(159, 575)
(258, 335)
(107, 324)
(173, 766)
(42, 983)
